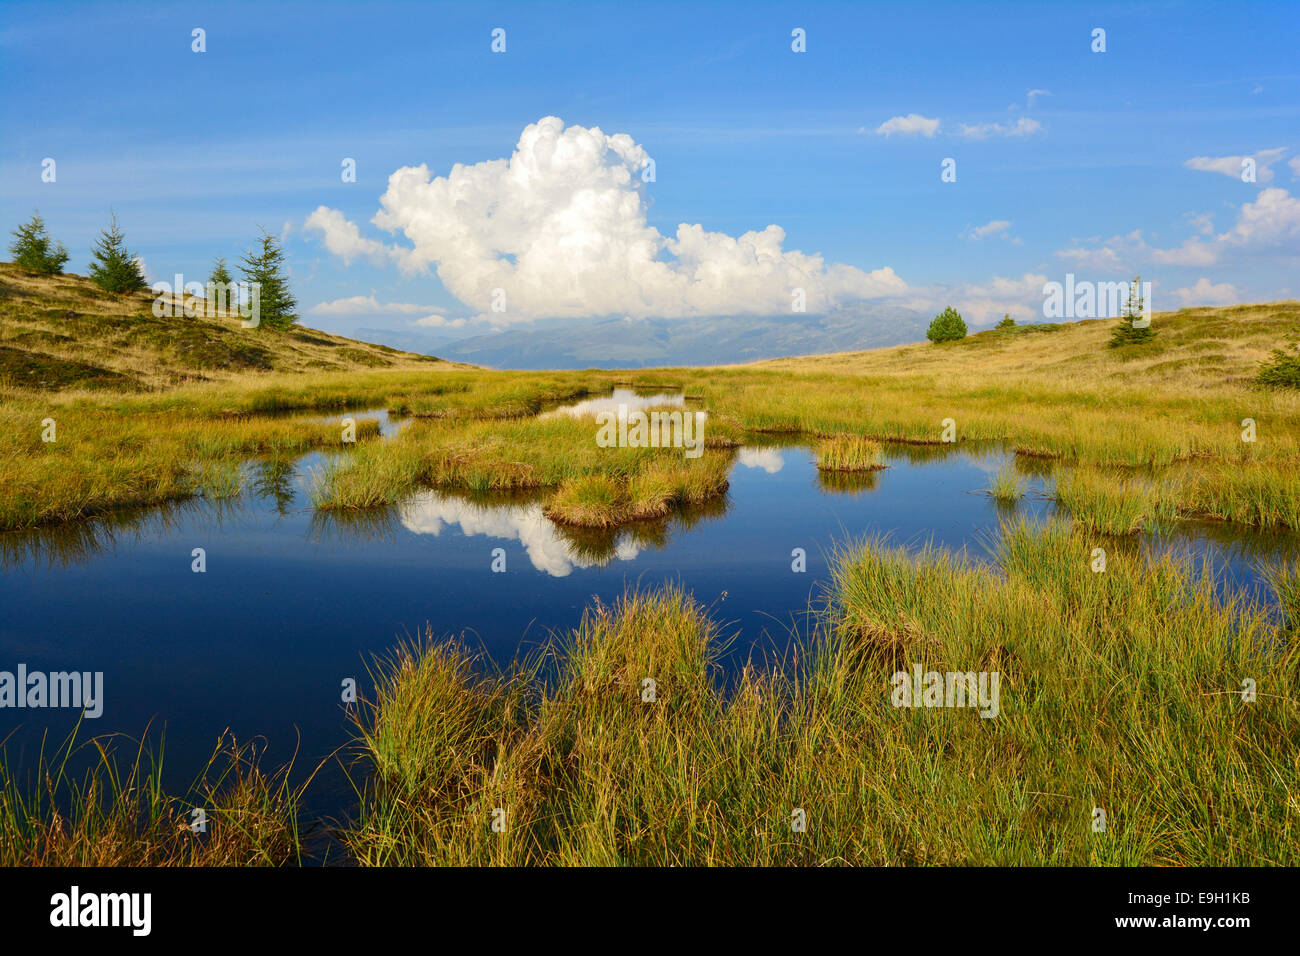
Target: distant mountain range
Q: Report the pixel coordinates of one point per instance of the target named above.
(643, 343)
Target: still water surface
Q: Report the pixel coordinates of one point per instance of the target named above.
(292, 602)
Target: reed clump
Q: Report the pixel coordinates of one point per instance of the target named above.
(1119, 690)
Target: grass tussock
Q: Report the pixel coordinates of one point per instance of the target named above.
(1007, 487)
(596, 501)
(1119, 690)
(849, 453)
(117, 814)
(1112, 502)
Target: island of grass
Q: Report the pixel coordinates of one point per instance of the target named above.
(849, 453)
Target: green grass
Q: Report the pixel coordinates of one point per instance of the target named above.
(1119, 691)
(1112, 502)
(117, 814)
(586, 485)
(1007, 487)
(849, 453)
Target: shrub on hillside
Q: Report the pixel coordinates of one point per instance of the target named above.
(1281, 371)
(32, 249)
(946, 327)
(1007, 322)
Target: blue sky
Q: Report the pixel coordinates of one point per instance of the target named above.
(1126, 161)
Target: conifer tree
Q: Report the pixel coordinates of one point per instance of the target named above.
(219, 292)
(112, 268)
(1125, 333)
(948, 326)
(265, 267)
(32, 250)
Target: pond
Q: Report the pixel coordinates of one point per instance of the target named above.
(293, 602)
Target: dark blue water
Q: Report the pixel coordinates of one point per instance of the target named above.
(293, 602)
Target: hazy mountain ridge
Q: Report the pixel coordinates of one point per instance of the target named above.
(643, 343)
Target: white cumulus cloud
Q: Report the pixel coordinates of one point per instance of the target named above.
(1204, 292)
(1273, 218)
(559, 229)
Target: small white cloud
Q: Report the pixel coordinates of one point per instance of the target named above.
(369, 305)
(998, 227)
(440, 322)
(1034, 94)
(1232, 165)
(1201, 222)
(1294, 163)
(1205, 292)
(1193, 252)
(1021, 127)
(913, 124)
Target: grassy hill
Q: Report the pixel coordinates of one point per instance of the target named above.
(59, 332)
(1195, 349)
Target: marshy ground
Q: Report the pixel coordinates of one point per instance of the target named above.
(1122, 689)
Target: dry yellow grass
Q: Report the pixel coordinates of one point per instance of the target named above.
(62, 331)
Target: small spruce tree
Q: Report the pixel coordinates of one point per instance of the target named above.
(265, 267)
(1007, 322)
(946, 327)
(32, 250)
(1134, 306)
(112, 268)
(219, 292)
